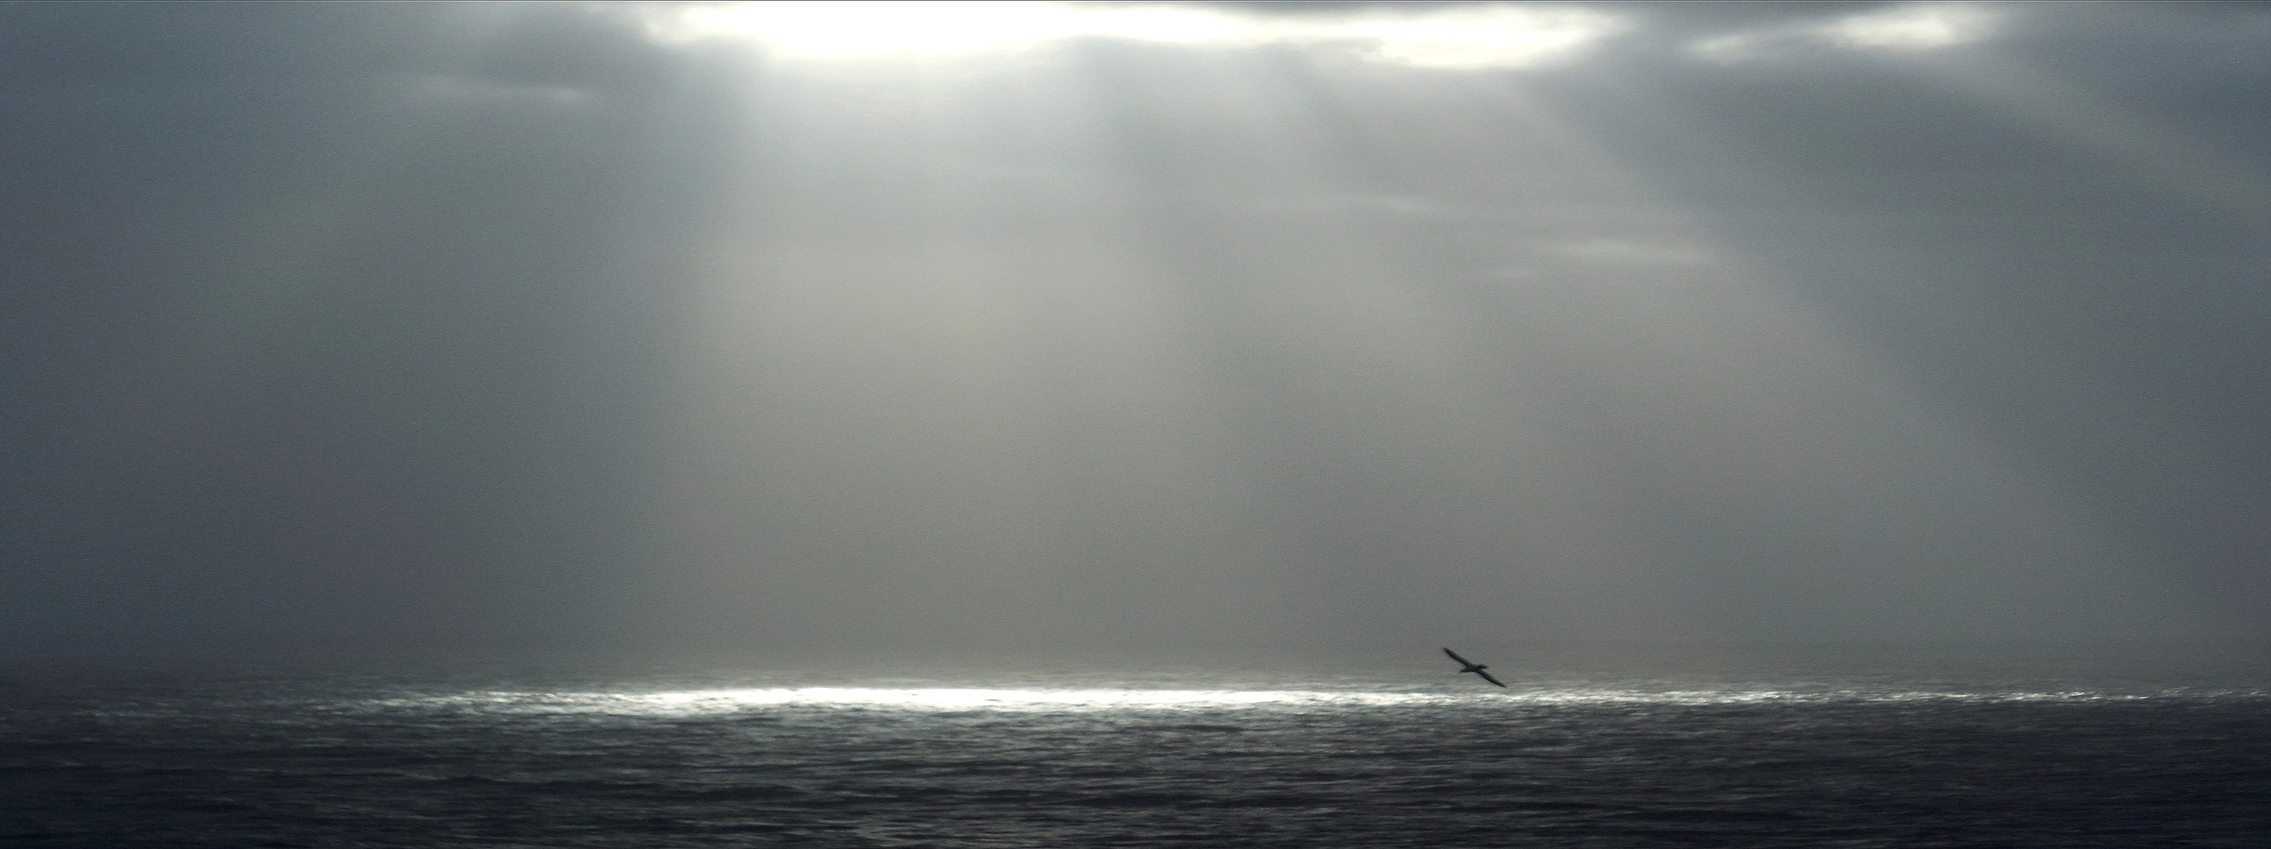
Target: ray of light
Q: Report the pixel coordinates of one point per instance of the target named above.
(2150, 154)
(2067, 113)
(1136, 304)
(1756, 335)
(2062, 110)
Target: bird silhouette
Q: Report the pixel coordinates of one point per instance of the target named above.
(1471, 666)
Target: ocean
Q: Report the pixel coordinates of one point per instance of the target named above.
(1071, 756)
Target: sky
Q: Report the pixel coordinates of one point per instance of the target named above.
(456, 328)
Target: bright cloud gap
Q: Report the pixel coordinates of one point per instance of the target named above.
(1468, 37)
(1902, 29)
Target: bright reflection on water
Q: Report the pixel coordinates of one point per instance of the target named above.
(1098, 699)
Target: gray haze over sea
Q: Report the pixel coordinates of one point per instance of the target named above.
(411, 328)
(1055, 755)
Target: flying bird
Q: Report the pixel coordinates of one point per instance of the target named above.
(1476, 668)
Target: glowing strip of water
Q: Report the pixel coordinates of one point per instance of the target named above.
(1100, 699)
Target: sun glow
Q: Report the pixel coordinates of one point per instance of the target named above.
(1457, 37)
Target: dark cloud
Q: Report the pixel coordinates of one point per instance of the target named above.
(260, 46)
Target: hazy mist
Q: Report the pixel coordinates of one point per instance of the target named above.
(423, 328)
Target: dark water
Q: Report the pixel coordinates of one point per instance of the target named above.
(1174, 758)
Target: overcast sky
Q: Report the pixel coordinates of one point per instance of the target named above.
(420, 327)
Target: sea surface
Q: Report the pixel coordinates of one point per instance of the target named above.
(1384, 755)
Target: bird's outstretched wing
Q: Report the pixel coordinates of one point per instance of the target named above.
(1486, 677)
(1455, 656)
